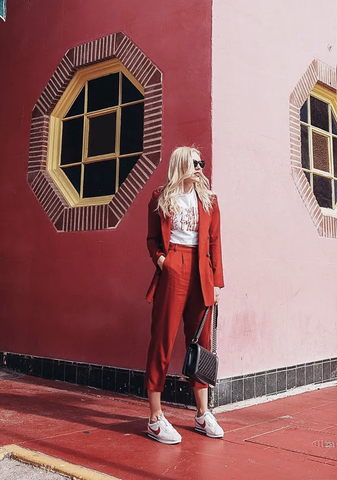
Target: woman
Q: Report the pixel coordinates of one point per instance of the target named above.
(184, 244)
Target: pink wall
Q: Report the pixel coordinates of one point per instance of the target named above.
(279, 307)
(80, 296)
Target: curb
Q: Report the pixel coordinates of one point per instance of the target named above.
(52, 464)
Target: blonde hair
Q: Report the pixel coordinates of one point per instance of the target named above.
(180, 168)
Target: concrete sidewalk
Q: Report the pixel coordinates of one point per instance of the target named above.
(289, 438)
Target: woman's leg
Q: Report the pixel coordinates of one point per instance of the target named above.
(166, 315)
(193, 313)
(167, 311)
(155, 405)
(201, 399)
(168, 306)
(158, 427)
(205, 422)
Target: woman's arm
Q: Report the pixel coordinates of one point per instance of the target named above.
(215, 245)
(154, 236)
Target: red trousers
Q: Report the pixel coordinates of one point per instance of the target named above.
(178, 295)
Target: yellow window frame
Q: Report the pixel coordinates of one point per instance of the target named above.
(66, 101)
(325, 95)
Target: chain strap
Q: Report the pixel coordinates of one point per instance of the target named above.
(214, 326)
(201, 326)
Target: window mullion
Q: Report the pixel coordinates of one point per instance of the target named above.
(118, 131)
(311, 160)
(132, 103)
(85, 138)
(332, 169)
(330, 152)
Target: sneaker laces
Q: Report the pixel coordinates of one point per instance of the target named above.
(167, 426)
(211, 418)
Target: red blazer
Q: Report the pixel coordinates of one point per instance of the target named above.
(209, 248)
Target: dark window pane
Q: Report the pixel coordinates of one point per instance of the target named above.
(334, 150)
(125, 166)
(320, 151)
(74, 175)
(319, 114)
(334, 123)
(129, 92)
(102, 134)
(99, 179)
(103, 92)
(304, 112)
(78, 105)
(307, 174)
(72, 140)
(132, 128)
(305, 147)
(322, 190)
(335, 182)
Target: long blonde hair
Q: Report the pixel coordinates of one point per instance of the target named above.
(180, 168)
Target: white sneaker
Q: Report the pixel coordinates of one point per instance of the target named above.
(163, 432)
(207, 424)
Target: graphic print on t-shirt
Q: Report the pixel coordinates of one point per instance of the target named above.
(187, 220)
(185, 223)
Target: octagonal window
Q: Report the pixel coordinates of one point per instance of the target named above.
(319, 146)
(96, 133)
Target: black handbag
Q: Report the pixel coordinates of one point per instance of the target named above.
(201, 364)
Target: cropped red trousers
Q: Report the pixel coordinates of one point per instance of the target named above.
(178, 295)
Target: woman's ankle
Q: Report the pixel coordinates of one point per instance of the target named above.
(155, 415)
(155, 405)
(201, 412)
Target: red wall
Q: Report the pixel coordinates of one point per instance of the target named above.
(80, 296)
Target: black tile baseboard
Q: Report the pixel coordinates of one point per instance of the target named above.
(119, 380)
(177, 389)
(270, 382)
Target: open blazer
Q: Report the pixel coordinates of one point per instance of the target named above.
(209, 246)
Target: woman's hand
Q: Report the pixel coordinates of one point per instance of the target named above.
(161, 261)
(216, 294)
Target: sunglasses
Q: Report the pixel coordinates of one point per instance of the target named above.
(199, 162)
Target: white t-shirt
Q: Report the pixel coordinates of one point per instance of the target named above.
(185, 224)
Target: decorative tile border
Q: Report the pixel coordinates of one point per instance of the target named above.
(326, 75)
(177, 389)
(66, 218)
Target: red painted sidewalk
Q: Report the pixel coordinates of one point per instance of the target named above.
(289, 438)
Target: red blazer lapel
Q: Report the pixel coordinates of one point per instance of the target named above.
(166, 232)
(203, 227)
